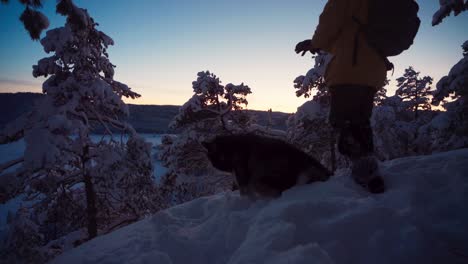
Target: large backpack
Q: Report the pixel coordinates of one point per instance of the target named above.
(392, 25)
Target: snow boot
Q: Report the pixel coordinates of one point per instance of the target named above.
(365, 172)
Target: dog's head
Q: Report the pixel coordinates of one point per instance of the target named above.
(218, 154)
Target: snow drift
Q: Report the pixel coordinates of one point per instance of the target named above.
(422, 218)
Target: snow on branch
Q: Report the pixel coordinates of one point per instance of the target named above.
(64, 171)
(414, 91)
(236, 95)
(447, 7)
(33, 21)
(314, 78)
(456, 82)
(211, 100)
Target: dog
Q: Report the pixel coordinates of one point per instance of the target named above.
(263, 166)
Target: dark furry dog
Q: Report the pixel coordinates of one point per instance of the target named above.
(264, 166)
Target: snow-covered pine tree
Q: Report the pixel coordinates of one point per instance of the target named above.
(414, 91)
(314, 80)
(124, 184)
(61, 165)
(449, 129)
(213, 109)
(452, 94)
(454, 85)
(209, 112)
(381, 94)
(394, 129)
(397, 120)
(211, 101)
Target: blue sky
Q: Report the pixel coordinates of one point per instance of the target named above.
(162, 44)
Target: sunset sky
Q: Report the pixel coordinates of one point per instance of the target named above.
(161, 45)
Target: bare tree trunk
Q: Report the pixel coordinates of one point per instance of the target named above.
(416, 107)
(223, 123)
(90, 197)
(91, 207)
(221, 115)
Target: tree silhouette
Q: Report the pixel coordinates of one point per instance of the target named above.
(447, 7)
(314, 80)
(62, 164)
(414, 91)
(211, 100)
(34, 21)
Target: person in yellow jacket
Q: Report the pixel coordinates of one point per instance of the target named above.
(353, 77)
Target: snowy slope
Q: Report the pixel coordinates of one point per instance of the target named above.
(422, 218)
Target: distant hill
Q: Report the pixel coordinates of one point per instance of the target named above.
(12, 105)
(152, 118)
(144, 118)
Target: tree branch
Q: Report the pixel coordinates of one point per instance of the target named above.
(10, 164)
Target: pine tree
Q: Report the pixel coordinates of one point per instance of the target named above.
(414, 91)
(454, 85)
(452, 94)
(213, 109)
(211, 101)
(381, 94)
(451, 126)
(62, 165)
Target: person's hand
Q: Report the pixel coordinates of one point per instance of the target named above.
(304, 47)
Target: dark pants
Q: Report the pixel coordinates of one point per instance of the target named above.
(350, 113)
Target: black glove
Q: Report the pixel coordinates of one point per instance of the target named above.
(304, 47)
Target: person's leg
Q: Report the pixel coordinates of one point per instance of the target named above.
(350, 113)
(355, 139)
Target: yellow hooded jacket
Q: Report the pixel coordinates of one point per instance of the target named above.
(336, 34)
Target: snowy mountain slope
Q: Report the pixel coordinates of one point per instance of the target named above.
(422, 218)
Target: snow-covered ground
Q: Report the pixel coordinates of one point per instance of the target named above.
(422, 218)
